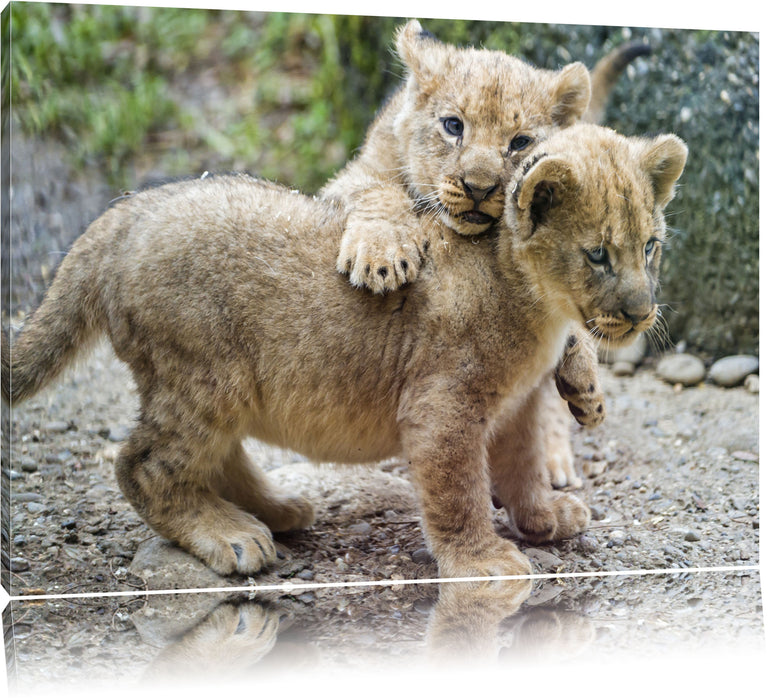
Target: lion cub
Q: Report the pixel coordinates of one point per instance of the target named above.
(221, 296)
(445, 146)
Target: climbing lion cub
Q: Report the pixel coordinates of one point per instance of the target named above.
(445, 146)
(221, 296)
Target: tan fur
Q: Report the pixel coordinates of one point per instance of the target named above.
(605, 74)
(222, 297)
(410, 169)
(409, 163)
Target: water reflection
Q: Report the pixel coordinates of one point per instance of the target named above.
(206, 635)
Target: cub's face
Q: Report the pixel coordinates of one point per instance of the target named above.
(586, 215)
(469, 118)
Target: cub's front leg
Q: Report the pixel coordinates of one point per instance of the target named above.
(576, 378)
(384, 243)
(444, 441)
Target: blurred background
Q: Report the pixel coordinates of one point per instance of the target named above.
(102, 99)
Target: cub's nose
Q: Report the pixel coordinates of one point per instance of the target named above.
(637, 315)
(478, 194)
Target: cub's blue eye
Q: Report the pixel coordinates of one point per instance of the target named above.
(453, 126)
(597, 256)
(520, 143)
(650, 246)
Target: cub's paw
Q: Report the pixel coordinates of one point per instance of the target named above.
(233, 638)
(560, 516)
(576, 378)
(285, 514)
(560, 465)
(499, 557)
(381, 255)
(240, 544)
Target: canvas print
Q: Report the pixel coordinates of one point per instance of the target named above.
(299, 301)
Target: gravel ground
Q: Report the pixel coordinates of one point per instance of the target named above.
(672, 478)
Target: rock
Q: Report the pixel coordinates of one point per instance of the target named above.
(633, 354)
(623, 369)
(682, 368)
(360, 528)
(118, 433)
(306, 575)
(597, 513)
(422, 556)
(752, 384)
(57, 426)
(26, 497)
(587, 543)
(19, 564)
(164, 566)
(616, 538)
(546, 560)
(732, 370)
(593, 468)
(692, 536)
(28, 464)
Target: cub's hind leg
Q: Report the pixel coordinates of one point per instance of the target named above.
(242, 483)
(520, 478)
(558, 454)
(166, 470)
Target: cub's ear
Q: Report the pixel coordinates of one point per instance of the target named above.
(663, 160)
(543, 186)
(418, 49)
(571, 95)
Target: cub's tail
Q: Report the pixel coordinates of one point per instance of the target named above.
(69, 317)
(605, 74)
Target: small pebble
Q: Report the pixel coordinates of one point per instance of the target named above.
(587, 543)
(56, 426)
(731, 371)
(19, 564)
(621, 368)
(118, 433)
(28, 464)
(616, 538)
(306, 575)
(26, 496)
(681, 368)
(692, 536)
(597, 513)
(360, 528)
(546, 560)
(422, 556)
(752, 384)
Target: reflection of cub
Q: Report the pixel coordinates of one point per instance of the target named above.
(233, 638)
(220, 295)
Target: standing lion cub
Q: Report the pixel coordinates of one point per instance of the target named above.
(221, 296)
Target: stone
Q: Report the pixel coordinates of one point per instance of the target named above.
(681, 368)
(633, 354)
(57, 426)
(623, 369)
(164, 566)
(360, 528)
(546, 560)
(28, 464)
(752, 384)
(587, 543)
(422, 556)
(732, 370)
